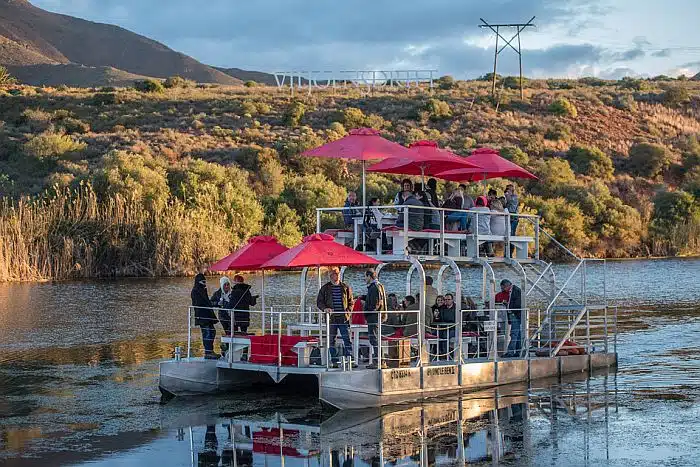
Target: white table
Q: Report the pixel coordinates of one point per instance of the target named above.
(309, 329)
(236, 346)
(400, 240)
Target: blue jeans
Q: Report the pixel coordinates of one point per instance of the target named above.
(460, 217)
(445, 336)
(515, 332)
(208, 336)
(344, 329)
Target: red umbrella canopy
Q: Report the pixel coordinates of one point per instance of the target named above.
(362, 144)
(257, 251)
(492, 166)
(426, 159)
(319, 250)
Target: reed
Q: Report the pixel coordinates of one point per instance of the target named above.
(72, 233)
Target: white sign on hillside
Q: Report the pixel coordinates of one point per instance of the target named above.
(320, 80)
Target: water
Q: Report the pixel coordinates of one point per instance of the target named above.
(78, 385)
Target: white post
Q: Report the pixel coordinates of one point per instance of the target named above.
(189, 332)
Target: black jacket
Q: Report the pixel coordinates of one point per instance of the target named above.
(448, 315)
(242, 300)
(203, 316)
(515, 302)
(415, 216)
(325, 300)
(376, 301)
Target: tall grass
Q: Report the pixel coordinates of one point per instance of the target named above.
(71, 233)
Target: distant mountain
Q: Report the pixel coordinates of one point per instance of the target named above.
(245, 75)
(696, 77)
(70, 74)
(32, 36)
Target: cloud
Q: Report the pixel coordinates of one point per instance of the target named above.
(618, 73)
(663, 53)
(276, 35)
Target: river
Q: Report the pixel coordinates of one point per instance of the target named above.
(79, 368)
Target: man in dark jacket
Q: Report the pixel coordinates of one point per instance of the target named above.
(415, 216)
(335, 299)
(242, 301)
(446, 326)
(375, 304)
(514, 317)
(204, 316)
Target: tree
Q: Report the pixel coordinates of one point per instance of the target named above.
(563, 219)
(133, 175)
(676, 96)
(673, 207)
(305, 193)
(282, 222)
(591, 161)
(515, 155)
(648, 160)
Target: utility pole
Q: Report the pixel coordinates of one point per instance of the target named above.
(496, 28)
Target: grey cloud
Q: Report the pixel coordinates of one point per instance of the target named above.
(618, 73)
(628, 55)
(662, 53)
(695, 64)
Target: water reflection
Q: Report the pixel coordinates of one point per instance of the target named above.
(499, 426)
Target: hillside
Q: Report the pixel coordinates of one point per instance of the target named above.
(73, 75)
(246, 75)
(160, 183)
(31, 36)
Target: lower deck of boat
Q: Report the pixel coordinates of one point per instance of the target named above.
(362, 388)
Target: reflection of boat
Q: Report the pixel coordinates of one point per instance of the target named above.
(567, 331)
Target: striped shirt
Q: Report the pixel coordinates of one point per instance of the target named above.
(337, 294)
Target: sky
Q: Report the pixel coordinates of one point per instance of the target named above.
(572, 38)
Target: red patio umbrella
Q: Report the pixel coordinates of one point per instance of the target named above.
(254, 254)
(426, 159)
(319, 250)
(361, 144)
(251, 257)
(492, 166)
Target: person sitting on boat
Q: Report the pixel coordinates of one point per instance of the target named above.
(351, 210)
(431, 216)
(406, 185)
(446, 325)
(204, 316)
(222, 300)
(432, 191)
(416, 218)
(374, 305)
(242, 301)
(459, 200)
(483, 222)
(335, 299)
(372, 224)
(514, 317)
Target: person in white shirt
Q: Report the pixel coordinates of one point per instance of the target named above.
(483, 222)
(498, 219)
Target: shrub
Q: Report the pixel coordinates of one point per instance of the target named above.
(559, 132)
(489, 77)
(102, 98)
(282, 222)
(52, 145)
(177, 82)
(676, 96)
(515, 155)
(222, 132)
(564, 219)
(150, 86)
(591, 161)
(438, 110)
(635, 84)
(513, 82)
(250, 84)
(294, 113)
(306, 193)
(592, 81)
(5, 77)
(674, 207)
(563, 107)
(446, 82)
(648, 160)
(560, 84)
(353, 118)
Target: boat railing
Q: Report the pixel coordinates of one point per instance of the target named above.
(361, 226)
(486, 335)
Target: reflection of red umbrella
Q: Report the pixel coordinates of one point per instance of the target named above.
(426, 159)
(362, 144)
(319, 250)
(492, 166)
(257, 251)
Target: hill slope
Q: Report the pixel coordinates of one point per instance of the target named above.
(247, 75)
(31, 36)
(73, 75)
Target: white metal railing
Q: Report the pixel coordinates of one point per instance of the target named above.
(358, 215)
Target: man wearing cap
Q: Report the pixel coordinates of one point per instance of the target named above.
(335, 299)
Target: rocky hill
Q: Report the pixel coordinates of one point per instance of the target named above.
(159, 182)
(32, 36)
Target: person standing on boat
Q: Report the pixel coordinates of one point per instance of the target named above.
(446, 324)
(222, 300)
(514, 317)
(242, 301)
(335, 299)
(375, 304)
(204, 316)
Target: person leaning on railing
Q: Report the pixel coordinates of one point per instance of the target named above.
(204, 316)
(446, 325)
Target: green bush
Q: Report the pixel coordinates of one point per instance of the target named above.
(177, 82)
(563, 107)
(676, 96)
(673, 207)
(635, 84)
(648, 160)
(438, 110)
(5, 77)
(305, 193)
(133, 175)
(513, 82)
(282, 222)
(103, 98)
(294, 113)
(353, 118)
(250, 84)
(563, 219)
(592, 81)
(52, 145)
(591, 161)
(515, 155)
(149, 86)
(559, 132)
(446, 82)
